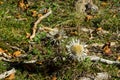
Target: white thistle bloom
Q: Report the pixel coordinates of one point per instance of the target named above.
(77, 50)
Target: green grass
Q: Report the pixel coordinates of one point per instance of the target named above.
(14, 31)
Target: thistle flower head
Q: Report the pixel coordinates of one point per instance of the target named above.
(77, 50)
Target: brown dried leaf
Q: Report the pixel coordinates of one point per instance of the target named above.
(118, 58)
(10, 77)
(39, 15)
(34, 13)
(118, 73)
(23, 4)
(88, 17)
(54, 78)
(1, 50)
(104, 4)
(106, 49)
(16, 54)
(1, 2)
(39, 62)
(18, 16)
(99, 29)
(45, 11)
(114, 15)
(74, 33)
(27, 35)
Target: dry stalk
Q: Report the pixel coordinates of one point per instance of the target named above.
(96, 58)
(32, 61)
(37, 22)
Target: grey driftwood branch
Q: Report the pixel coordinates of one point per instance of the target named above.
(32, 61)
(37, 22)
(7, 73)
(96, 58)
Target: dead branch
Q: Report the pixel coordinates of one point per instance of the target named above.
(37, 22)
(4, 59)
(5, 55)
(15, 47)
(8, 58)
(7, 73)
(32, 61)
(96, 58)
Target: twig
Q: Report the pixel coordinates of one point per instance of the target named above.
(6, 60)
(32, 61)
(15, 47)
(7, 73)
(5, 55)
(96, 58)
(37, 22)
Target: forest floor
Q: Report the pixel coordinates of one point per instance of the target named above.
(95, 30)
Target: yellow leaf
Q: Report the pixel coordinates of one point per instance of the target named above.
(114, 15)
(18, 16)
(27, 35)
(34, 13)
(1, 2)
(54, 78)
(10, 77)
(99, 29)
(39, 62)
(23, 5)
(118, 73)
(16, 54)
(88, 17)
(74, 33)
(118, 58)
(106, 49)
(39, 15)
(104, 4)
(1, 50)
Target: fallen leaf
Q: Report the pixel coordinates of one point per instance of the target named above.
(39, 15)
(45, 10)
(74, 33)
(16, 54)
(23, 4)
(104, 4)
(54, 78)
(118, 73)
(118, 58)
(34, 13)
(114, 15)
(18, 16)
(88, 17)
(99, 29)
(27, 35)
(1, 50)
(1, 2)
(39, 62)
(106, 49)
(10, 77)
